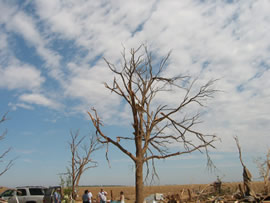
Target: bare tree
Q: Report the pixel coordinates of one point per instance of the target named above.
(81, 157)
(246, 173)
(156, 126)
(3, 154)
(264, 169)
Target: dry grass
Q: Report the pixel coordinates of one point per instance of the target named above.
(129, 191)
(2, 189)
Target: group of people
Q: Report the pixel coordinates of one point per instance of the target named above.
(102, 196)
(87, 196)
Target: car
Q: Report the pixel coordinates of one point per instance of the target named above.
(24, 194)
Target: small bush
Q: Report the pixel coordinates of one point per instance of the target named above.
(67, 191)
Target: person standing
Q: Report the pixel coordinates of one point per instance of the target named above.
(85, 197)
(90, 196)
(57, 196)
(122, 197)
(102, 196)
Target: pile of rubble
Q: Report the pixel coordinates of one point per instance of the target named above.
(213, 193)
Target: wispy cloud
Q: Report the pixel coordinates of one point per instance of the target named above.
(208, 40)
(20, 76)
(38, 99)
(26, 26)
(20, 105)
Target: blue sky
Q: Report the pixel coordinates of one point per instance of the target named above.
(52, 73)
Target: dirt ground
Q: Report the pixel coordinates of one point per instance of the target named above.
(167, 190)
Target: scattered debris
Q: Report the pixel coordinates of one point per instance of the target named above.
(155, 198)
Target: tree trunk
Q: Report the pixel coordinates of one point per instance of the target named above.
(73, 192)
(265, 185)
(266, 179)
(139, 182)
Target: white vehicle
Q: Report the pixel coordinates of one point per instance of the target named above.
(27, 194)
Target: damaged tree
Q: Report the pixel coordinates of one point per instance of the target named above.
(264, 169)
(3, 155)
(81, 160)
(156, 122)
(246, 174)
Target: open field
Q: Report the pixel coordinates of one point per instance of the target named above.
(129, 191)
(229, 188)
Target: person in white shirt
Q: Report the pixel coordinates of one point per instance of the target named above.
(102, 196)
(122, 197)
(90, 196)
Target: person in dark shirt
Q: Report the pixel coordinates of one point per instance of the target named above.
(85, 197)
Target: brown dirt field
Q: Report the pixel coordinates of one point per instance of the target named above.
(165, 189)
(129, 191)
(2, 189)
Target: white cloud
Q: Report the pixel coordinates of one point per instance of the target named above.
(87, 85)
(25, 25)
(209, 39)
(20, 105)
(223, 35)
(38, 99)
(96, 26)
(20, 77)
(6, 12)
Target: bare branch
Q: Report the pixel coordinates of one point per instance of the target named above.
(81, 160)
(7, 167)
(156, 124)
(263, 164)
(97, 124)
(3, 154)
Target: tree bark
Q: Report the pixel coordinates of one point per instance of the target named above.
(139, 182)
(265, 180)
(138, 82)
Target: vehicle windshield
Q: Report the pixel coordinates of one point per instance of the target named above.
(7, 193)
